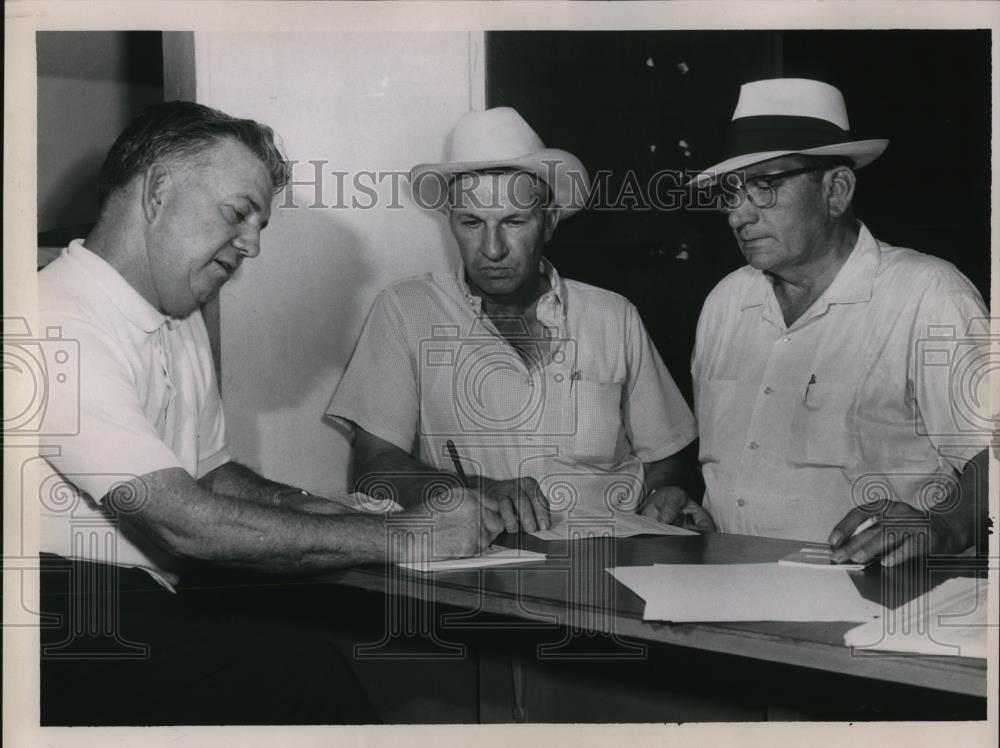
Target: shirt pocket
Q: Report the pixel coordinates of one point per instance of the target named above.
(598, 420)
(821, 433)
(713, 413)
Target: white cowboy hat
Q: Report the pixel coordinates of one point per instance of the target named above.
(500, 138)
(784, 116)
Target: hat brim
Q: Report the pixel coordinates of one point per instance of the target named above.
(564, 173)
(861, 152)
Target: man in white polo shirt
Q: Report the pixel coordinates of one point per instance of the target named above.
(544, 393)
(818, 408)
(186, 192)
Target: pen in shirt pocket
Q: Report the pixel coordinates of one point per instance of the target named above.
(574, 377)
(809, 384)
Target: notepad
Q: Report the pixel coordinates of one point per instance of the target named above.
(951, 619)
(621, 525)
(495, 555)
(745, 592)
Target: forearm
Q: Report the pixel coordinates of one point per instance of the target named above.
(239, 481)
(407, 480)
(966, 521)
(242, 534)
(679, 470)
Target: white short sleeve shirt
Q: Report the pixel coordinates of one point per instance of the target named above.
(849, 404)
(429, 367)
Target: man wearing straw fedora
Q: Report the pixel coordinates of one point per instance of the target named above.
(822, 406)
(543, 393)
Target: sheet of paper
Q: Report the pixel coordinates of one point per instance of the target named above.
(951, 619)
(817, 557)
(746, 592)
(495, 555)
(623, 525)
(642, 580)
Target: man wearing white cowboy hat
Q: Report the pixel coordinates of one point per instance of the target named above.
(817, 409)
(541, 392)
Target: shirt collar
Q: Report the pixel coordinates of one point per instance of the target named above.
(856, 278)
(551, 308)
(130, 303)
(854, 281)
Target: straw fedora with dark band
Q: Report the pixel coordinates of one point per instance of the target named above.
(499, 138)
(784, 116)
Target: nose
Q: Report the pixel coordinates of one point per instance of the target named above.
(494, 248)
(248, 242)
(744, 213)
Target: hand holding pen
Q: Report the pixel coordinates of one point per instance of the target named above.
(519, 501)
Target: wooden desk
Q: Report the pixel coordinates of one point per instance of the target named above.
(587, 614)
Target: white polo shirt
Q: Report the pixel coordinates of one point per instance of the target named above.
(853, 402)
(147, 400)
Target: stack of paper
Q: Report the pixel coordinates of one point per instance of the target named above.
(818, 557)
(495, 555)
(621, 525)
(951, 619)
(745, 592)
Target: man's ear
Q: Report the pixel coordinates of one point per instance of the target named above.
(154, 187)
(551, 218)
(841, 190)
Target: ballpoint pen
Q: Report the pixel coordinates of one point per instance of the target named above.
(453, 453)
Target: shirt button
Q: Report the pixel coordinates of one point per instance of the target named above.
(740, 502)
(787, 339)
(753, 445)
(768, 390)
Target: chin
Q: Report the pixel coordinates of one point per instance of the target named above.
(182, 310)
(497, 286)
(758, 260)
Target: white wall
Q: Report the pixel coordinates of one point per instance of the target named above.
(290, 318)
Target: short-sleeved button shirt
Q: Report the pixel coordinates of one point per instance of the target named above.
(853, 402)
(431, 367)
(134, 392)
